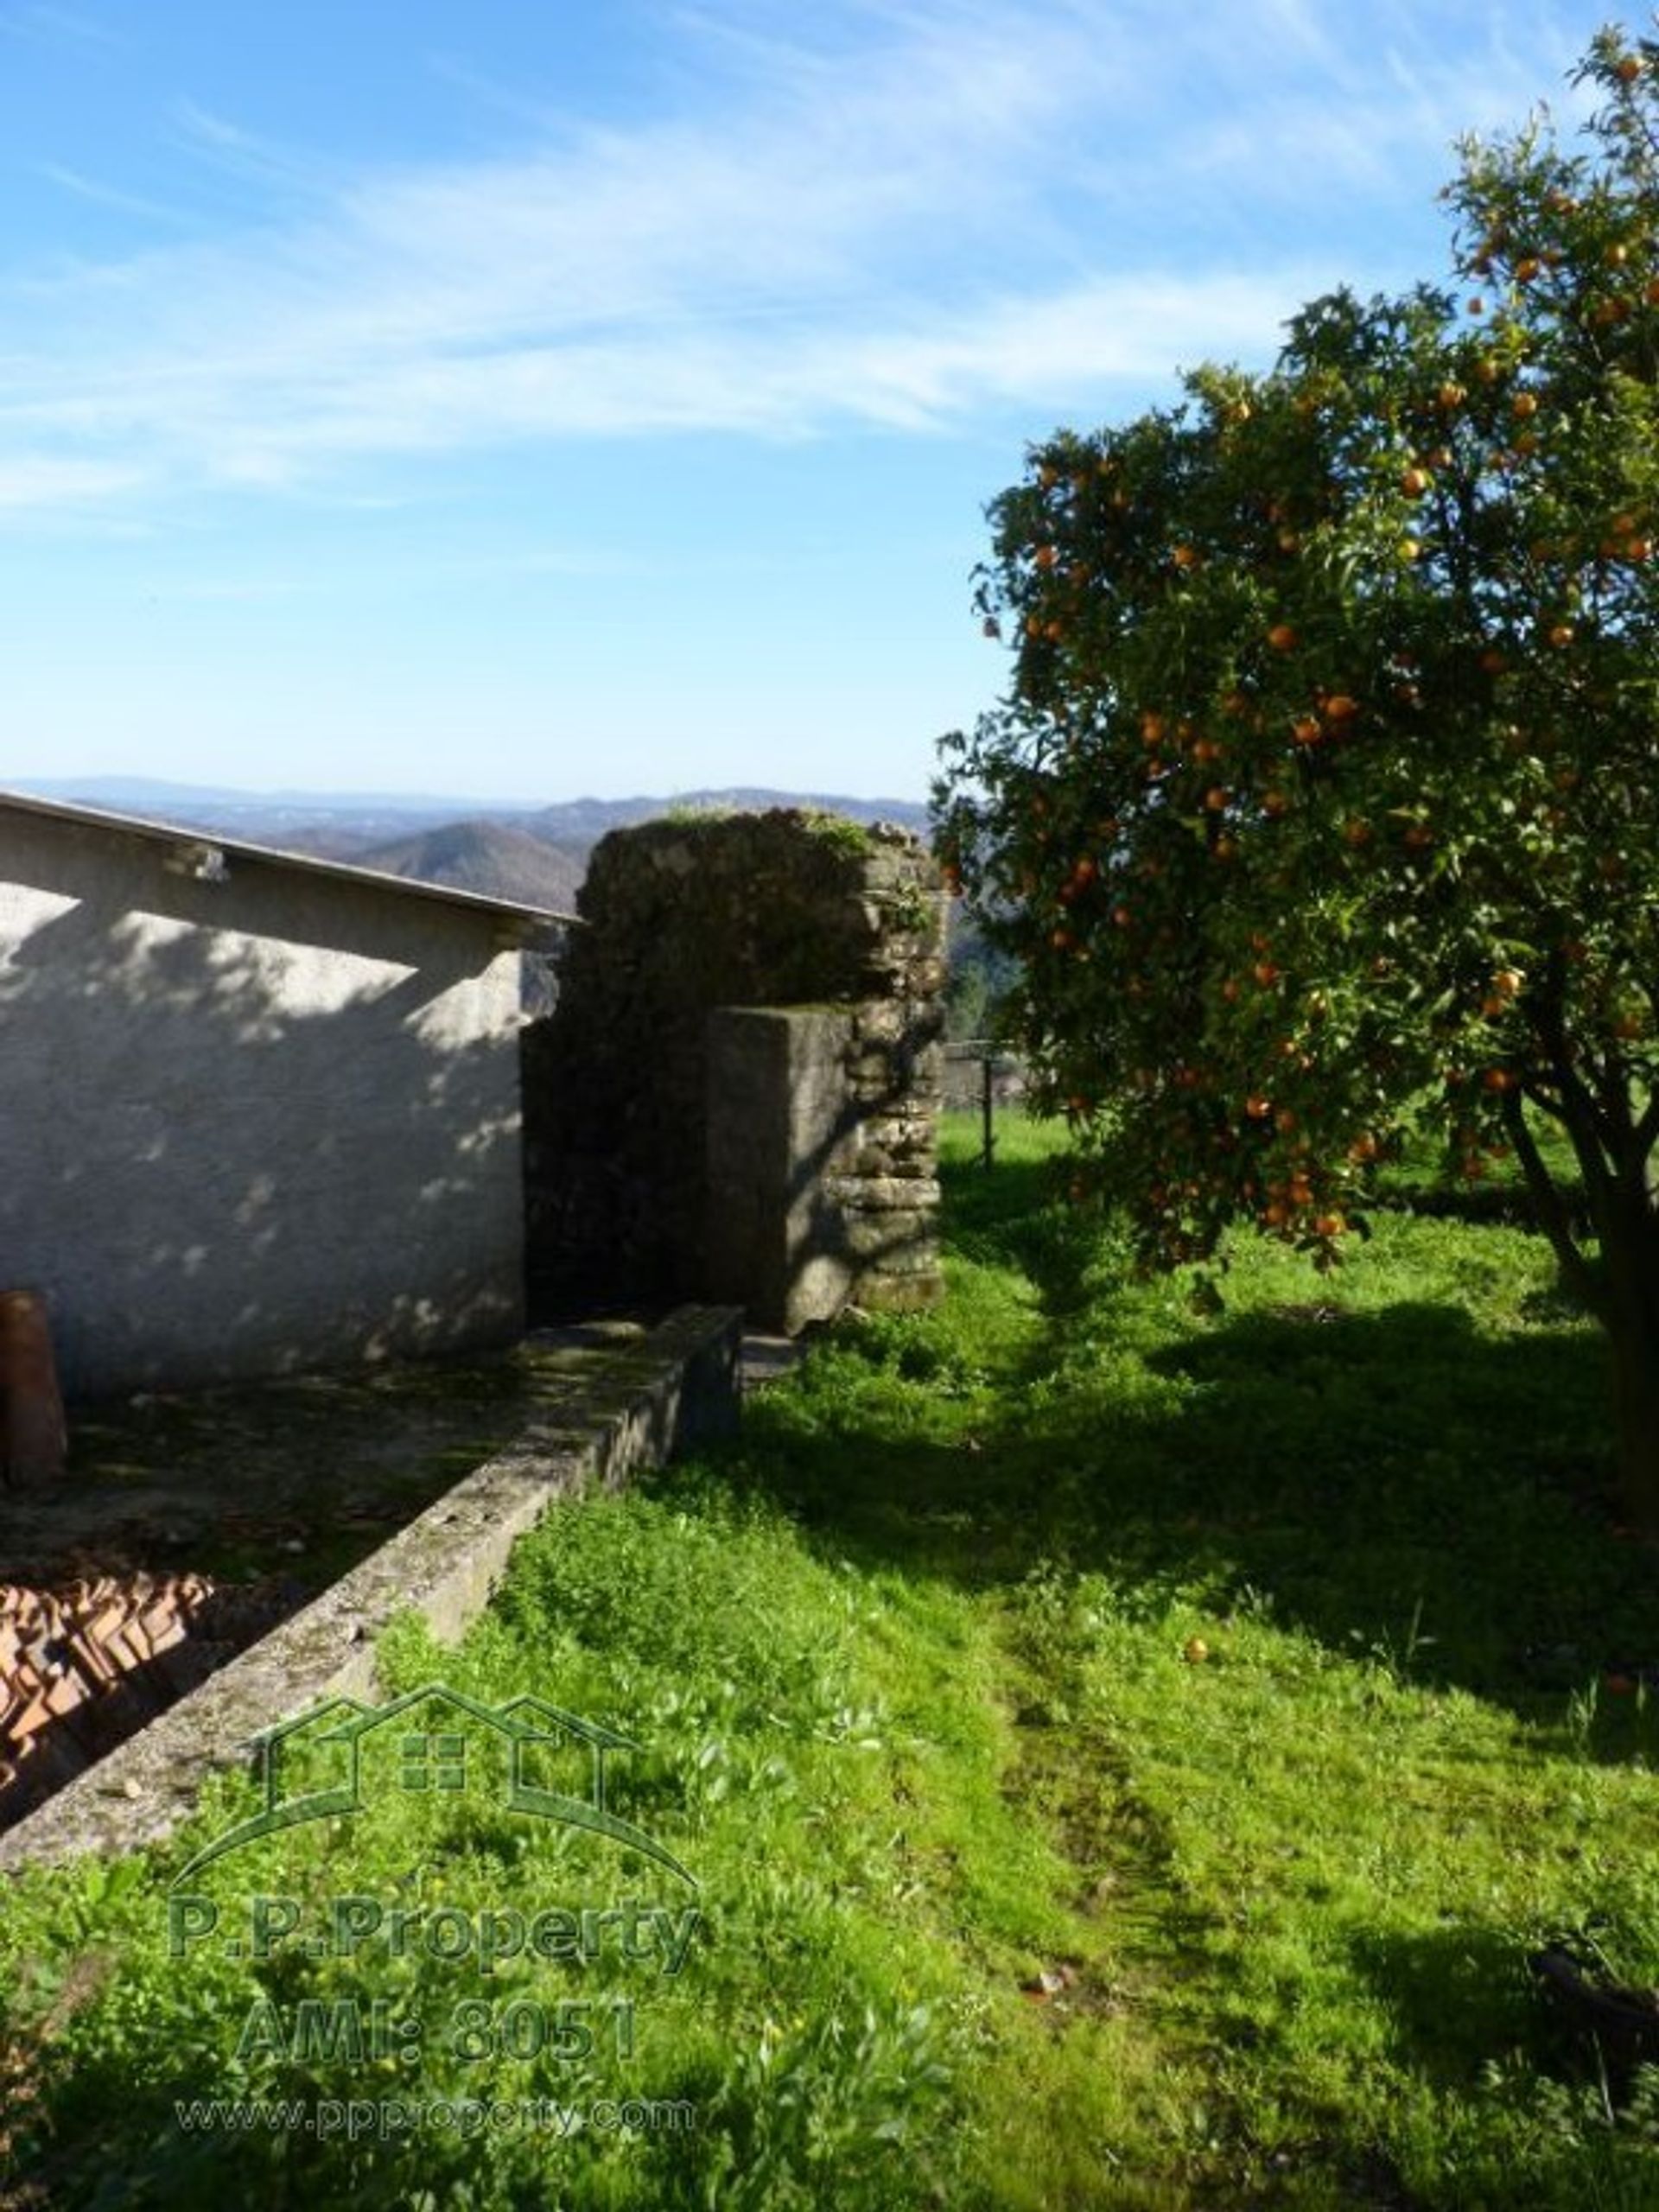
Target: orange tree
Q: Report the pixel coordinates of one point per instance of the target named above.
(1325, 792)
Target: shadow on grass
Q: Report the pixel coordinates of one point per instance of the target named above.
(1458, 1997)
(1396, 1483)
(1010, 1215)
(1508, 1204)
(1470, 2021)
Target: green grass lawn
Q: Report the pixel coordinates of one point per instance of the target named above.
(1126, 1752)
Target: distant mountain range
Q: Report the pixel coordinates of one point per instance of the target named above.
(534, 855)
(491, 857)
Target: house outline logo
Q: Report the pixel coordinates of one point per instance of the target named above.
(528, 1724)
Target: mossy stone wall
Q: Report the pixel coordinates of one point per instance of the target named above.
(685, 917)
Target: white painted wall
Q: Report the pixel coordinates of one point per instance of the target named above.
(249, 1126)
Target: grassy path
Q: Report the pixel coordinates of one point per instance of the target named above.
(1126, 1752)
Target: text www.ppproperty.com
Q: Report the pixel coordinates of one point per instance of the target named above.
(381, 2119)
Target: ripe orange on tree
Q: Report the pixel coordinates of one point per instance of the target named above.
(1520, 626)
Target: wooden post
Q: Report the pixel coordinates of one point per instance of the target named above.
(35, 1439)
(985, 1065)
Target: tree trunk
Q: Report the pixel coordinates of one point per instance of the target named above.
(1635, 1406)
(1622, 1289)
(1630, 1254)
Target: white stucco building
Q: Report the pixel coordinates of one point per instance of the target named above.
(258, 1112)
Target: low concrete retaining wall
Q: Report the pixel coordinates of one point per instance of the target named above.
(674, 1388)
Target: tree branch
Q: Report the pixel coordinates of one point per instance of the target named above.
(1553, 1216)
(1594, 1141)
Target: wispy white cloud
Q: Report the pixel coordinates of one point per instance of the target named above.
(46, 23)
(890, 217)
(230, 150)
(39, 481)
(491, 93)
(1134, 327)
(1297, 107)
(108, 195)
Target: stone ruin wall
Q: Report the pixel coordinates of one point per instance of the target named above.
(736, 1096)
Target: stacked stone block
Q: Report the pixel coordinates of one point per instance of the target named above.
(673, 1151)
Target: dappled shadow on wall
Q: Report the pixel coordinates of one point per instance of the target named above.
(250, 1126)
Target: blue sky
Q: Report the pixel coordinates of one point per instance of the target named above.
(530, 399)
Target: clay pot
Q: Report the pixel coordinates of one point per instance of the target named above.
(33, 1434)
